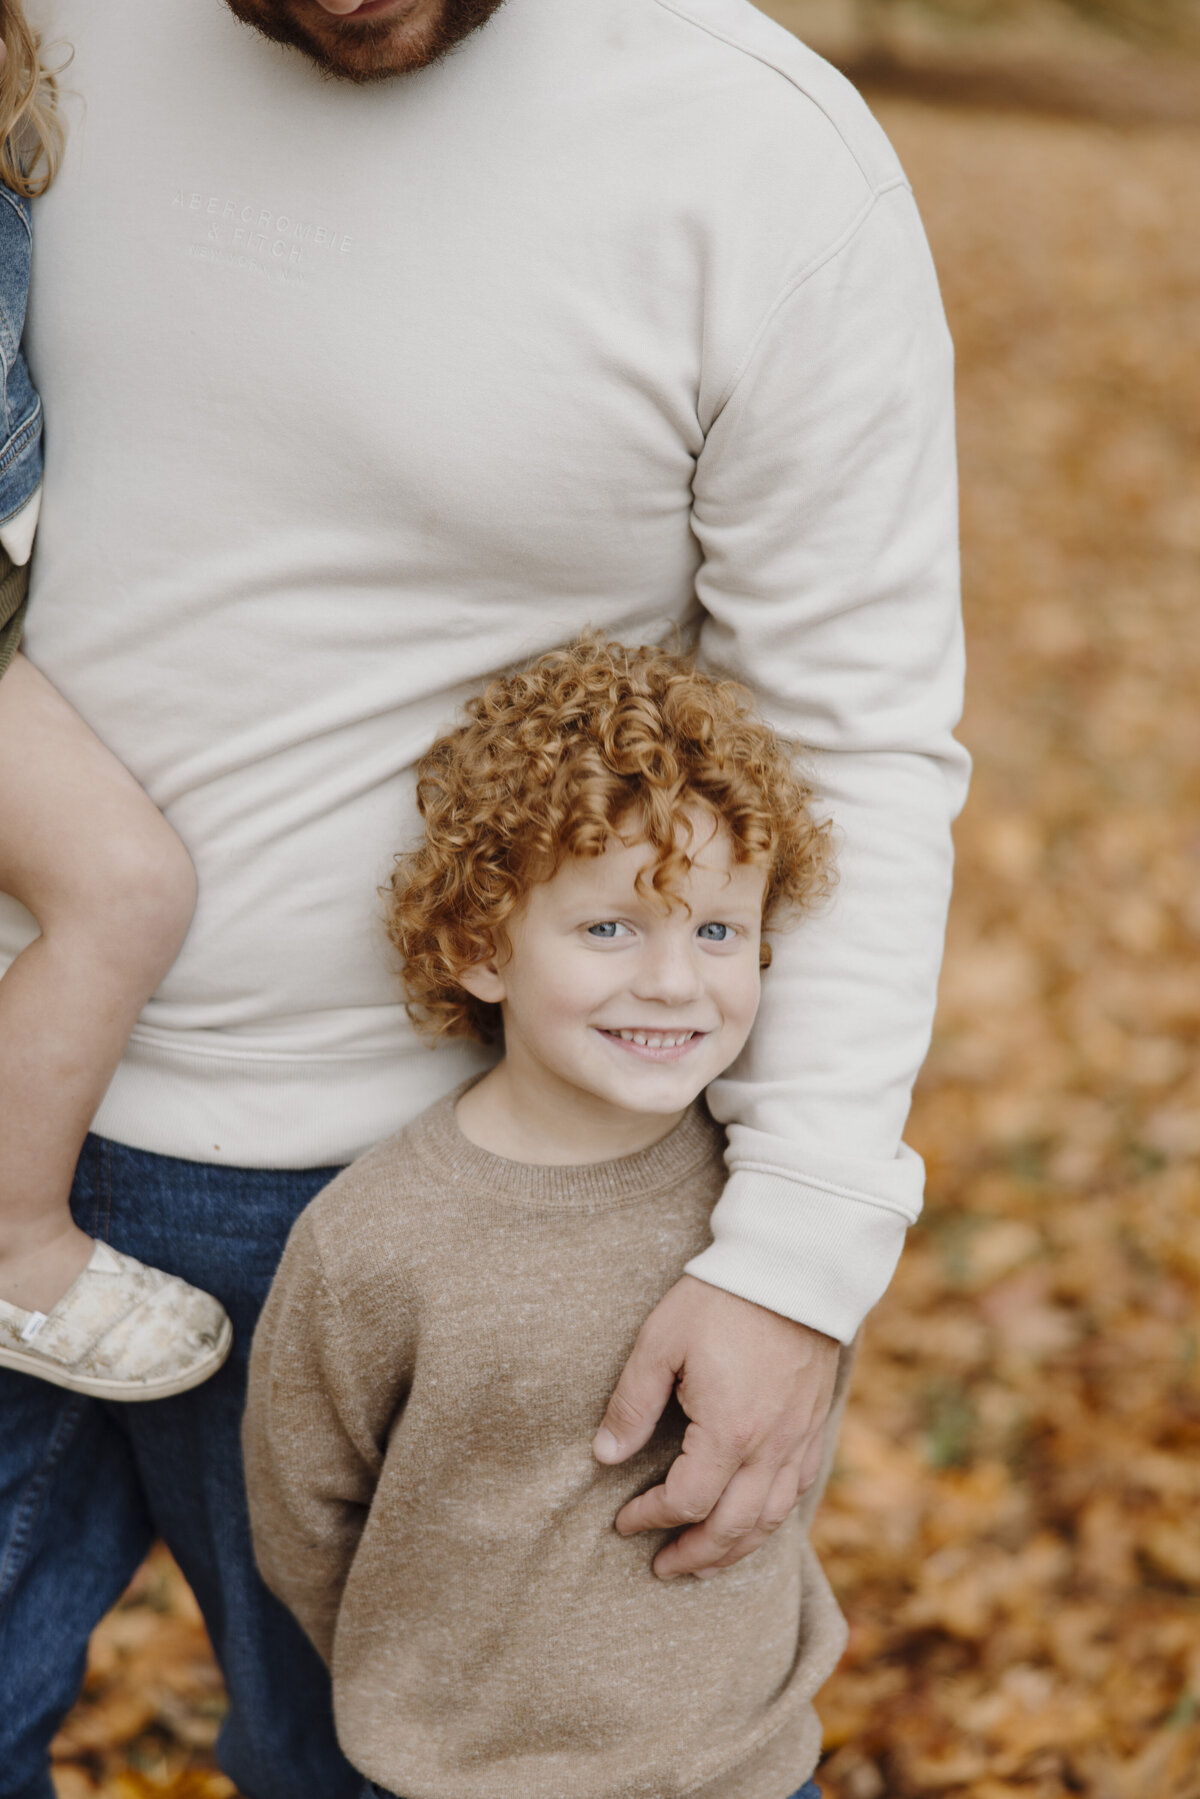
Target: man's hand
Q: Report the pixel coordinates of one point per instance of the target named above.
(756, 1388)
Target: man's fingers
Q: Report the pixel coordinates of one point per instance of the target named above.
(698, 1551)
(695, 1481)
(810, 1463)
(756, 1388)
(733, 1518)
(647, 1382)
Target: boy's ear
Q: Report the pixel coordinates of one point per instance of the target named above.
(484, 981)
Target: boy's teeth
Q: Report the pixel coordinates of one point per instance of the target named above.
(655, 1039)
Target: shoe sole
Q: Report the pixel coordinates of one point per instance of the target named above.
(125, 1392)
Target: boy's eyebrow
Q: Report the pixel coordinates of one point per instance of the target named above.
(598, 905)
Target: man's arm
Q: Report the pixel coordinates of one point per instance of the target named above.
(825, 507)
(312, 1462)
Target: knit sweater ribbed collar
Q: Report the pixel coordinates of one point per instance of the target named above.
(436, 1137)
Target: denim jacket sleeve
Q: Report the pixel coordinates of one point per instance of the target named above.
(20, 407)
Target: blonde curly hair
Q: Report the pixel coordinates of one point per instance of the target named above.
(31, 130)
(589, 744)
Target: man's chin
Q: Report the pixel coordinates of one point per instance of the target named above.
(376, 48)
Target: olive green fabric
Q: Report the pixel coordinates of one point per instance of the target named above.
(14, 585)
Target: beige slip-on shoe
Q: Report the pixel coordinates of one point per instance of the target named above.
(120, 1331)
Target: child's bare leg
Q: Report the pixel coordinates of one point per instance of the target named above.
(112, 890)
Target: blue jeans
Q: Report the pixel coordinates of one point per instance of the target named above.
(85, 1488)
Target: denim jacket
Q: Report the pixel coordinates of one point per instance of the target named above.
(20, 408)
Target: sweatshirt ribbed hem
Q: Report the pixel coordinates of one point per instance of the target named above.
(244, 1110)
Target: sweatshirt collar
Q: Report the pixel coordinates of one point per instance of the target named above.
(624, 1180)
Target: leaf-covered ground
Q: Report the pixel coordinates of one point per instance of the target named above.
(1014, 1528)
(1013, 1524)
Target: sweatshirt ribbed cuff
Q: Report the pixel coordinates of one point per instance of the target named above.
(821, 1257)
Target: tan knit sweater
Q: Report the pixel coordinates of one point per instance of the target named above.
(434, 1358)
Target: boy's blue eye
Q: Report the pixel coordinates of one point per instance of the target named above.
(715, 933)
(609, 928)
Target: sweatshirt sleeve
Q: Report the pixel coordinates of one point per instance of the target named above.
(313, 1450)
(825, 509)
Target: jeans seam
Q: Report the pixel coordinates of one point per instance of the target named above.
(20, 440)
(27, 1513)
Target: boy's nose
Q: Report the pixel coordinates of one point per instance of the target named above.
(667, 974)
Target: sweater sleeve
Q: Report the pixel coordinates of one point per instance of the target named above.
(312, 1442)
(825, 509)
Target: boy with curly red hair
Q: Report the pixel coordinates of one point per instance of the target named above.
(606, 837)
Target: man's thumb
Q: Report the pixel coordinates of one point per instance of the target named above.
(646, 1384)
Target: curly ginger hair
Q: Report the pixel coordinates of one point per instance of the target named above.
(590, 744)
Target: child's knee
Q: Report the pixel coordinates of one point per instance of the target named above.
(140, 892)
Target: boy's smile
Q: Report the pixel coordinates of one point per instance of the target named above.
(618, 1007)
(657, 1046)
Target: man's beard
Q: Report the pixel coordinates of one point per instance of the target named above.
(365, 49)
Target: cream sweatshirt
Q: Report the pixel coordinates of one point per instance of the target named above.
(622, 316)
(434, 1357)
